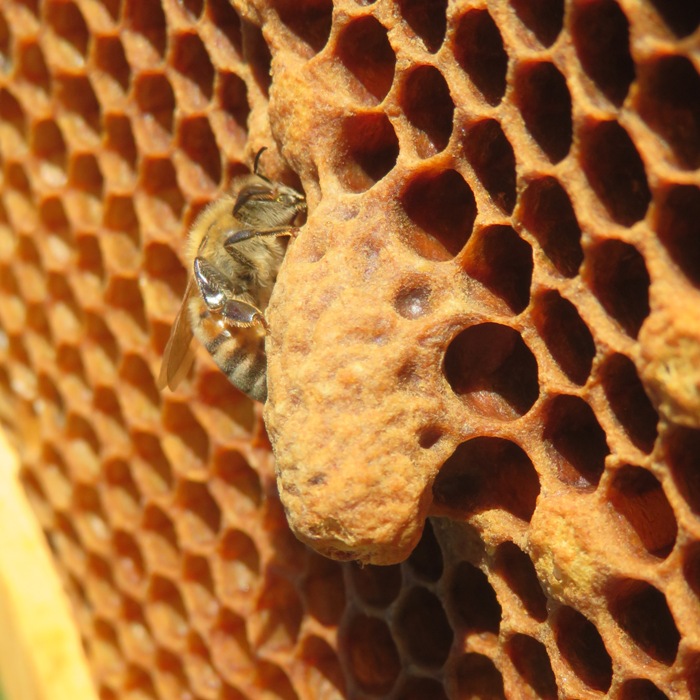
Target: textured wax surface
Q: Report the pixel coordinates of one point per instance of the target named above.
(490, 317)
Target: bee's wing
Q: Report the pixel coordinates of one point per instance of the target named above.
(179, 353)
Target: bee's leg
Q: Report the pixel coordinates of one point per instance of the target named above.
(212, 284)
(245, 234)
(241, 313)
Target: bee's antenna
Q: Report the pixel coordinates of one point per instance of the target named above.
(256, 162)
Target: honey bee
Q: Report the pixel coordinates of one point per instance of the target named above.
(234, 252)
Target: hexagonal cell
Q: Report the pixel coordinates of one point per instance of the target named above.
(77, 97)
(422, 627)
(32, 68)
(198, 665)
(123, 294)
(7, 48)
(544, 18)
(477, 475)
(577, 442)
(582, 647)
(614, 170)
(668, 100)
(478, 677)
(151, 468)
(364, 49)
(202, 168)
(492, 370)
(228, 644)
(427, 19)
(138, 683)
(170, 679)
(188, 434)
(198, 583)
(189, 58)
(640, 689)
(376, 586)
(442, 206)
(478, 48)
(691, 568)
(134, 631)
(617, 273)
(100, 587)
(638, 497)
(146, 31)
(310, 22)
(128, 561)
(427, 104)
(676, 213)
(155, 100)
(85, 179)
(120, 151)
(55, 479)
(567, 337)
(110, 59)
(238, 567)
(372, 150)
(642, 612)
(491, 156)
(323, 590)
(89, 258)
(105, 651)
(425, 560)
(232, 94)
(372, 655)
(683, 453)
(122, 239)
(531, 660)
(13, 125)
(681, 17)
(545, 105)
(198, 515)
(629, 402)
(235, 484)
(473, 600)
(166, 611)
(226, 24)
(600, 32)
(502, 262)
(516, 568)
(82, 448)
(71, 35)
(100, 349)
(166, 201)
(122, 495)
(275, 624)
(160, 541)
(49, 147)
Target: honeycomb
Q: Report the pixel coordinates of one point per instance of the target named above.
(490, 318)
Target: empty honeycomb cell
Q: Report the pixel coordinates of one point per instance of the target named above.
(198, 585)
(138, 684)
(145, 32)
(55, 478)
(122, 237)
(189, 436)
(170, 679)
(199, 517)
(615, 171)
(58, 245)
(418, 687)
(122, 494)
(642, 612)
(638, 497)
(129, 564)
(363, 48)
(105, 652)
(442, 206)
(491, 156)
(567, 337)
(198, 666)
(109, 58)
(532, 662)
(226, 24)
(600, 32)
(426, 559)
(681, 17)
(32, 69)
(678, 208)
(275, 624)
(426, 101)
(372, 654)
(372, 150)
(83, 447)
(164, 268)
(428, 19)
(324, 590)
(100, 586)
(135, 631)
(310, 22)
(13, 314)
(166, 611)
(377, 586)
(48, 146)
(668, 100)
(629, 402)
(477, 476)
(640, 689)
(6, 45)
(100, 348)
(70, 365)
(19, 196)
(90, 263)
(71, 36)
(618, 276)
(478, 48)
(124, 294)
(518, 571)
(422, 626)
(90, 518)
(166, 201)
(478, 677)
(683, 451)
(201, 168)
(161, 545)
(581, 646)
(151, 468)
(155, 100)
(492, 370)
(502, 262)
(232, 95)
(234, 483)
(120, 151)
(13, 125)
(228, 644)
(238, 567)
(691, 568)
(83, 121)
(468, 585)
(544, 18)
(86, 181)
(191, 62)
(545, 105)
(258, 56)
(578, 443)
